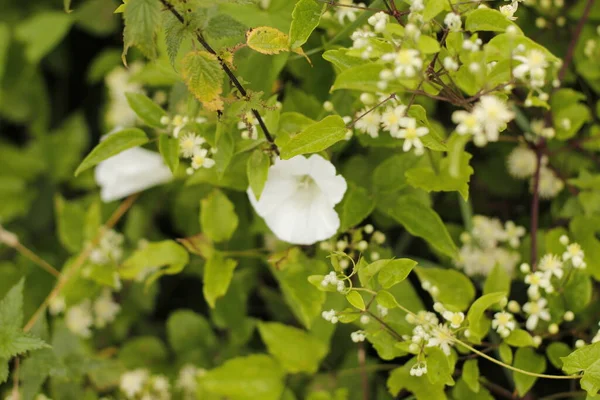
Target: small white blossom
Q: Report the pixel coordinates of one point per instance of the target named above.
(468, 123)
(57, 305)
(552, 265)
(441, 337)
(365, 319)
(79, 319)
(569, 316)
(532, 65)
(383, 311)
(200, 159)
(450, 64)
(369, 123)
(411, 135)
(521, 162)
(346, 13)
(503, 323)
(493, 114)
(358, 336)
(419, 369)
(455, 318)
(189, 144)
(453, 22)
(132, 382)
(330, 316)
(406, 62)
(536, 309)
(549, 185)
(509, 10)
(537, 280)
(390, 119)
(575, 254)
(514, 233)
(105, 309)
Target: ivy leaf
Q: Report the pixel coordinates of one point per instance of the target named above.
(203, 76)
(420, 220)
(305, 18)
(147, 110)
(267, 40)
(315, 138)
(169, 150)
(356, 205)
(455, 289)
(470, 374)
(478, 323)
(295, 349)
(142, 20)
(258, 171)
(395, 271)
(13, 341)
(217, 216)
(252, 377)
(486, 19)
(527, 359)
(167, 257)
(113, 145)
(218, 272)
(587, 360)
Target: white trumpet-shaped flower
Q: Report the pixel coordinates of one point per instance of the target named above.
(129, 172)
(298, 199)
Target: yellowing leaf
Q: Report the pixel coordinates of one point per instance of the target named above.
(267, 40)
(203, 76)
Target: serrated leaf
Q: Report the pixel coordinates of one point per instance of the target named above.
(218, 272)
(217, 216)
(142, 20)
(527, 359)
(113, 145)
(169, 150)
(203, 76)
(267, 40)
(147, 110)
(258, 171)
(478, 323)
(296, 350)
(356, 205)
(305, 18)
(175, 32)
(166, 257)
(395, 271)
(243, 378)
(455, 289)
(315, 138)
(420, 220)
(581, 359)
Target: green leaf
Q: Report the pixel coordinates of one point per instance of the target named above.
(267, 40)
(505, 353)
(433, 8)
(420, 220)
(167, 257)
(498, 280)
(502, 45)
(292, 273)
(42, 32)
(389, 176)
(584, 229)
(142, 20)
(356, 205)
(175, 32)
(295, 349)
(169, 150)
(581, 359)
(203, 76)
(305, 18)
(462, 391)
(439, 370)
(470, 374)
(527, 359)
(217, 216)
(519, 338)
(258, 171)
(386, 299)
(341, 60)
(13, 341)
(143, 352)
(441, 181)
(455, 289)
(188, 331)
(315, 138)
(113, 145)
(4, 46)
(478, 323)
(3, 370)
(356, 300)
(226, 146)
(420, 387)
(366, 272)
(246, 378)
(218, 272)
(556, 351)
(70, 218)
(578, 291)
(487, 19)
(395, 272)
(147, 110)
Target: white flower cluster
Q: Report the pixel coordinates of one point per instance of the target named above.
(109, 250)
(429, 332)
(139, 384)
(485, 246)
(343, 13)
(332, 279)
(551, 270)
(591, 49)
(358, 336)
(485, 122)
(81, 317)
(187, 381)
(521, 163)
(330, 316)
(358, 244)
(191, 145)
(379, 21)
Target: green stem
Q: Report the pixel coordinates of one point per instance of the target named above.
(466, 210)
